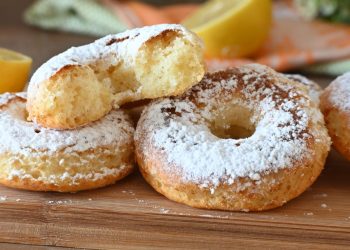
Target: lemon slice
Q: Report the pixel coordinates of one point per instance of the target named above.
(14, 70)
(232, 28)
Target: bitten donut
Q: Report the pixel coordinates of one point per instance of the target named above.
(335, 106)
(35, 158)
(245, 139)
(82, 84)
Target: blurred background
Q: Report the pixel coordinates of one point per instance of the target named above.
(311, 37)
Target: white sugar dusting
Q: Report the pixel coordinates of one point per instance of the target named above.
(26, 138)
(74, 179)
(281, 114)
(323, 195)
(112, 48)
(314, 90)
(60, 202)
(7, 97)
(340, 94)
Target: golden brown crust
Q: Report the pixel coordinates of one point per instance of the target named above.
(64, 172)
(273, 190)
(85, 184)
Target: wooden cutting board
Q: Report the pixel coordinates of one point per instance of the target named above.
(130, 214)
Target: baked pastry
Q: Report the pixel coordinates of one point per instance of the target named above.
(245, 139)
(335, 106)
(40, 159)
(81, 84)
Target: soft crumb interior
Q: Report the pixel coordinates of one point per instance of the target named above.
(122, 80)
(79, 97)
(168, 66)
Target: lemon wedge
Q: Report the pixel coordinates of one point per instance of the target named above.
(14, 70)
(232, 28)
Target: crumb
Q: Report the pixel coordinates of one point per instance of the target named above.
(323, 195)
(207, 215)
(324, 205)
(164, 211)
(59, 202)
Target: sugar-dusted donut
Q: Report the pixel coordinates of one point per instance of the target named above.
(40, 159)
(246, 139)
(81, 84)
(335, 106)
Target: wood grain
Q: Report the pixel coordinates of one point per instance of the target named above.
(131, 214)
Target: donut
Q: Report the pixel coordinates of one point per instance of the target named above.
(82, 84)
(40, 159)
(335, 106)
(243, 139)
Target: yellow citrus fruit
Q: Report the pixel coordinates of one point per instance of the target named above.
(232, 28)
(14, 70)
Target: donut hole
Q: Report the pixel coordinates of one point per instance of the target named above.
(232, 123)
(168, 63)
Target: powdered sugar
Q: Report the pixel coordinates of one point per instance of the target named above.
(6, 97)
(26, 138)
(179, 127)
(75, 179)
(112, 48)
(340, 94)
(314, 90)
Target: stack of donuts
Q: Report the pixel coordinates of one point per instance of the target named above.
(242, 139)
(68, 133)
